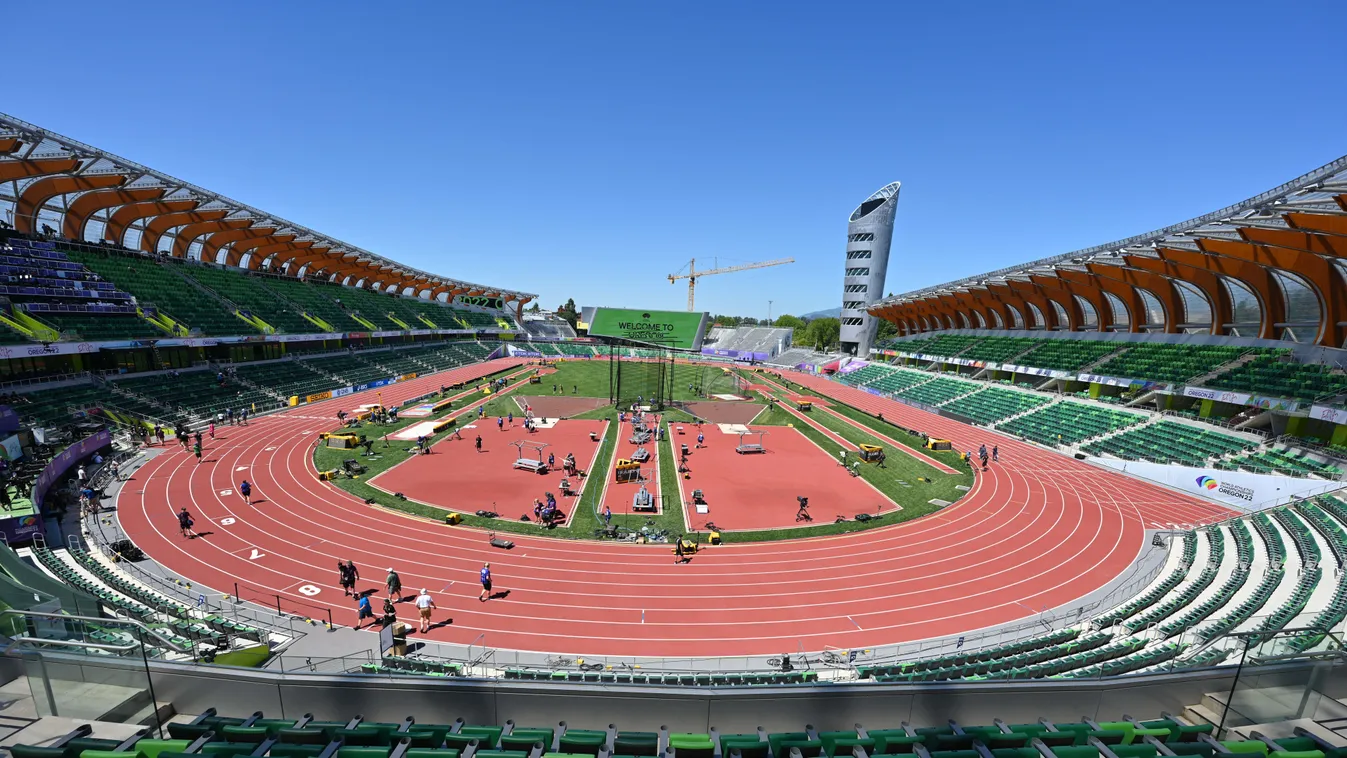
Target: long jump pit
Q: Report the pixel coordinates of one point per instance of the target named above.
(456, 477)
(750, 491)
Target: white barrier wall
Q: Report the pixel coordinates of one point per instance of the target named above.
(1239, 489)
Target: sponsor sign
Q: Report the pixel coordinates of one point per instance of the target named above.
(343, 392)
(21, 528)
(1242, 490)
(481, 301)
(55, 348)
(317, 396)
(679, 330)
(1220, 396)
(1274, 403)
(10, 448)
(1118, 381)
(1331, 415)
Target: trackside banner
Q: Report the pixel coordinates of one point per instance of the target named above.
(1242, 490)
(678, 330)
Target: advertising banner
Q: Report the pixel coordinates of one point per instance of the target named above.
(1274, 403)
(1220, 396)
(317, 396)
(64, 461)
(678, 330)
(343, 392)
(1331, 415)
(20, 528)
(10, 448)
(1241, 489)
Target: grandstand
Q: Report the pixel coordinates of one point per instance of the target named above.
(765, 342)
(164, 321)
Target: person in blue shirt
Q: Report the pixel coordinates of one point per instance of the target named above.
(246, 490)
(486, 582)
(366, 612)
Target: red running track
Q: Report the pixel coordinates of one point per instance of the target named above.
(1037, 530)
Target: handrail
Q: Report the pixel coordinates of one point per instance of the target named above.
(78, 643)
(170, 644)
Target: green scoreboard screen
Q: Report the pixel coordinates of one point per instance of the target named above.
(678, 330)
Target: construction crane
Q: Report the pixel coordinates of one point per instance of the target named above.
(693, 274)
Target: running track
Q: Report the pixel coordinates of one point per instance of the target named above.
(1037, 530)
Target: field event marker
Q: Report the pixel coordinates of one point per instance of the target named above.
(309, 590)
(256, 554)
(226, 492)
(241, 468)
(227, 521)
(937, 502)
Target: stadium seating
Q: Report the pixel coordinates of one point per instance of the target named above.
(350, 369)
(1069, 423)
(286, 378)
(317, 300)
(993, 404)
(62, 295)
(356, 737)
(938, 391)
(1284, 460)
(865, 374)
(1169, 442)
(198, 392)
(161, 284)
(1162, 362)
(1067, 355)
(245, 291)
(948, 345)
(55, 407)
(998, 349)
(1278, 376)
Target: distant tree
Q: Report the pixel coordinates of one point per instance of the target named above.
(535, 308)
(822, 333)
(748, 321)
(569, 313)
(789, 322)
(887, 330)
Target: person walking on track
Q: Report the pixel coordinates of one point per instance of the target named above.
(394, 585)
(486, 582)
(424, 605)
(196, 450)
(185, 524)
(996, 454)
(246, 490)
(478, 443)
(366, 612)
(346, 578)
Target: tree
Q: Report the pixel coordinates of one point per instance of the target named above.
(790, 322)
(822, 333)
(887, 330)
(568, 312)
(535, 308)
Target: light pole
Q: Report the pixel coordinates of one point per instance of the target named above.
(769, 312)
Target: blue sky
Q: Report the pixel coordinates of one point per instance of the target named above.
(588, 149)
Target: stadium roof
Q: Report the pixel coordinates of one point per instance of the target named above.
(84, 193)
(1272, 266)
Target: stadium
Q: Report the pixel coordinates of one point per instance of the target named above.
(269, 493)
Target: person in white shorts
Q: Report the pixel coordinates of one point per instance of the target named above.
(424, 605)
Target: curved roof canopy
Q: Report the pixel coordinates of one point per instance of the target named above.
(1273, 267)
(86, 194)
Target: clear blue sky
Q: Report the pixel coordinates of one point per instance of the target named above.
(586, 149)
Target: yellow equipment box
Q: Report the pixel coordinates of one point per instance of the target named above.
(935, 444)
(328, 476)
(871, 452)
(453, 519)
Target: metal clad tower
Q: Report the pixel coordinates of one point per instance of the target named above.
(869, 234)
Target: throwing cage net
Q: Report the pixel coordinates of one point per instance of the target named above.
(640, 375)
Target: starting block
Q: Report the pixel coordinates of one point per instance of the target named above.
(641, 455)
(500, 542)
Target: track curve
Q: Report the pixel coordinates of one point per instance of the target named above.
(1038, 530)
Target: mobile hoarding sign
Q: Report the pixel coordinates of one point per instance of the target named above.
(678, 330)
